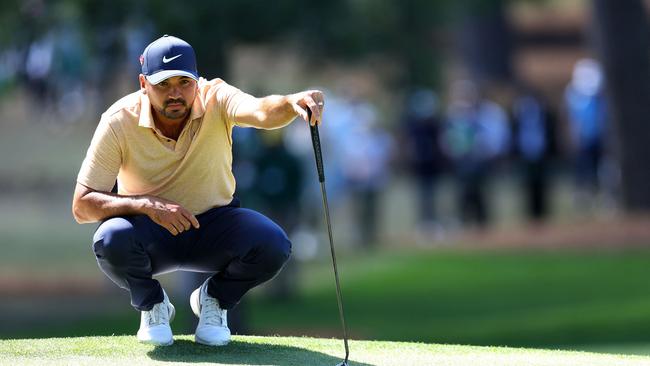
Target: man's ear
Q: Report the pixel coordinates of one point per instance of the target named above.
(143, 82)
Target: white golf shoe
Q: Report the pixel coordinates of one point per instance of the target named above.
(213, 322)
(154, 324)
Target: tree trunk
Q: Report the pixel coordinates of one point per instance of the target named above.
(621, 35)
(485, 40)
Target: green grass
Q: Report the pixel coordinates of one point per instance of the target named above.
(124, 350)
(525, 298)
(514, 298)
(596, 300)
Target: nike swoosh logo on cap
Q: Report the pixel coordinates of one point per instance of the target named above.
(166, 60)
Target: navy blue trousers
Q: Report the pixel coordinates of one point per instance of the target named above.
(242, 247)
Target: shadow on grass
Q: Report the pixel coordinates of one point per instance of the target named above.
(244, 353)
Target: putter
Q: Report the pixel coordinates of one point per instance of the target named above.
(315, 139)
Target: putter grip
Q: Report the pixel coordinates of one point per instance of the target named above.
(315, 140)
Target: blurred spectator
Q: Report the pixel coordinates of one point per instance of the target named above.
(246, 147)
(135, 33)
(280, 180)
(587, 111)
(533, 124)
(309, 234)
(38, 65)
(69, 74)
(423, 154)
(476, 134)
(10, 66)
(366, 149)
(270, 178)
(278, 185)
(298, 141)
(356, 153)
(55, 69)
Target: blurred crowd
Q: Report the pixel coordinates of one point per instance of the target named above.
(462, 136)
(71, 70)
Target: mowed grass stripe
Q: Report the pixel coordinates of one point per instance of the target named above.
(521, 298)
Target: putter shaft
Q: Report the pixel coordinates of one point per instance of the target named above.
(315, 139)
(336, 272)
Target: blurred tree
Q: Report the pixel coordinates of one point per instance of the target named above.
(621, 33)
(337, 29)
(485, 39)
(406, 33)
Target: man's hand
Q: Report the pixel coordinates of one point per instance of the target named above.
(89, 205)
(312, 99)
(170, 215)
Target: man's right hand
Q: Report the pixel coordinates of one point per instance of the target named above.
(89, 205)
(170, 215)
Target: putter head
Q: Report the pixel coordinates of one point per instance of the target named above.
(344, 363)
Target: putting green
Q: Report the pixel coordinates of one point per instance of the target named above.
(244, 350)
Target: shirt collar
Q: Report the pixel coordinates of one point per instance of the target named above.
(146, 118)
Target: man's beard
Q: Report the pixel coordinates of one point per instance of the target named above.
(180, 113)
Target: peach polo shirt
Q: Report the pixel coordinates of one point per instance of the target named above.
(195, 171)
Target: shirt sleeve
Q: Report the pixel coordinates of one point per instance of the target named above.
(103, 160)
(229, 98)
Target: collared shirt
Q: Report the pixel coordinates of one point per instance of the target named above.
(195, 171)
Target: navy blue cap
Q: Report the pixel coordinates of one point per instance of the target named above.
(166, 57)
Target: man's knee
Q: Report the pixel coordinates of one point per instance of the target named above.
(276, 249)
(113, 240)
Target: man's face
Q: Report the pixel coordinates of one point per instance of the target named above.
(171, 98)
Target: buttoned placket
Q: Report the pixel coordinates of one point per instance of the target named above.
(171, 143)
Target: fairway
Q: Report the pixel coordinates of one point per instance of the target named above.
(523, 298)
(124, 350)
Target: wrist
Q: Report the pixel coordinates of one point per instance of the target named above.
(143, 205)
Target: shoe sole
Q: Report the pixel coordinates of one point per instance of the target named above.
(156, 343)
(199, 340)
